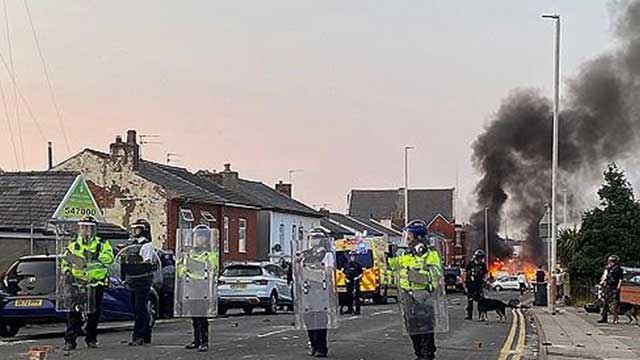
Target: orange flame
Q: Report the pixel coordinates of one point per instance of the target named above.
(512, 267)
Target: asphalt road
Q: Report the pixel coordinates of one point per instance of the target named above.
(377, 334)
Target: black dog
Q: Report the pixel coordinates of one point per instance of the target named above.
(486, 304)
(631, 310)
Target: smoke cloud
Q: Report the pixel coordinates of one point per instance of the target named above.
(598, 123)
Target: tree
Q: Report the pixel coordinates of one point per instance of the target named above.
(567, 243)
(611, 228)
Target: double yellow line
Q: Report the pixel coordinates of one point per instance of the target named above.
(518, 326)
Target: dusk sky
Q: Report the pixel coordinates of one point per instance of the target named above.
(335, 88)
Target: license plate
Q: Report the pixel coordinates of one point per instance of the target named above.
(29, 303)
(238, 286)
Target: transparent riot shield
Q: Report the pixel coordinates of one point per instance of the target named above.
(196, 272)
(315, 295)
(422, 297)
(129, 265)
(73, 294)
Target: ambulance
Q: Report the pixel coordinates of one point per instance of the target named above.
(378, 282)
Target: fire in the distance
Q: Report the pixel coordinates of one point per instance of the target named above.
(512, 267)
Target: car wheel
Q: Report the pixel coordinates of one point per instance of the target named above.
(153, 308)
(222, 310)
(9, 330)
(248, 310)
(272, 305)
(498, 288)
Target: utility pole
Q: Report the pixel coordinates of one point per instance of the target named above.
(554, 164)
(564, 210)
(406, 184)
(486, 234)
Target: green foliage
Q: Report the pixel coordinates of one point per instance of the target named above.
(611, 228)
(567, 243)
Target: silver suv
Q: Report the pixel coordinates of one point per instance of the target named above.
(248, 286)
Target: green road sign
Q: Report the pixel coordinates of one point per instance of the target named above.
(77, 203)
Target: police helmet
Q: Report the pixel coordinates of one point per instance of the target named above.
(479, 254)
(614, 259)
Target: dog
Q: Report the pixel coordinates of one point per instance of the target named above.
(631, 310)
(486, 304)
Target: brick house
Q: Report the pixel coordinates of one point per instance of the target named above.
(452, 239)
(128, 187)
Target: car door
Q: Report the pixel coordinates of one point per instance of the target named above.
(281, 283)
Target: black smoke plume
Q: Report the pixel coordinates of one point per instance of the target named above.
(599, 122)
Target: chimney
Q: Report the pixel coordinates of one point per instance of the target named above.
(211, 175)
(126, 154)
(229, 177)
(284, 188)
(50, 154)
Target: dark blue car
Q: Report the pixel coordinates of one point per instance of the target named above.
(28, 292)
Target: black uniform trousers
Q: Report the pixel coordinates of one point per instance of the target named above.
(424, 345)
(141, 289)
(318, 339)
(353, 295)
(200, 331)
(75, 321)
(474, 293)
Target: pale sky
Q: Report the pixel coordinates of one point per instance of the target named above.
(335, 88)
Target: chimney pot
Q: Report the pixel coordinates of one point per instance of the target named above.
(227, 167)
(118, 138)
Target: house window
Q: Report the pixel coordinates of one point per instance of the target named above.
(294, 233)
(242, 236)
(225, 240)
(301, 233)
(207, 219)
(281, 235)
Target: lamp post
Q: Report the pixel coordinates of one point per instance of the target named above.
(406, 184)
(486, 234)
(554, 164)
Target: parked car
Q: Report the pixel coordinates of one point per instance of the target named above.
(454, 279)
(507, 283)
(28, 291)
(248, 286)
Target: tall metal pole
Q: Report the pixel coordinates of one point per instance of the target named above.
(486, 234)
(564, 209)
(554, 163)
(406, 184)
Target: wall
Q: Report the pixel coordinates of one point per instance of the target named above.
(122, 195)
(277, 218)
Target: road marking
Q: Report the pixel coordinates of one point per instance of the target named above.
(382, 312)
(350, 318)
(521, 339)
(506, 348)
(275, 332)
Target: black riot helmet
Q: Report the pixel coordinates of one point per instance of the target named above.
(141, 231)
(479, 255)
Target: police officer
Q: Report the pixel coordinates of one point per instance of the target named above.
(476, 274)
(139, 276)
(98, 256)
(611, 284)
(421, 286)
(353, 274)
(201, 253)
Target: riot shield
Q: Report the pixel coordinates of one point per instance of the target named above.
(128, 264)
(72, 293)
(422, 299)
(196, 272)
(316, 299)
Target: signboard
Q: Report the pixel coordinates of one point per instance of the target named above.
(78, 202)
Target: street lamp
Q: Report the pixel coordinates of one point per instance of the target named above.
(406, 184)
(554, 163)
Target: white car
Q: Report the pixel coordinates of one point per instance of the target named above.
(507, 283)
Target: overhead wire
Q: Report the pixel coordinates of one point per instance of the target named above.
(11, 71)
(8, 119)
(45, 68)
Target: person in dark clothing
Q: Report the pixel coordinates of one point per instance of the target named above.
(353, 273)
(540, 275)
(611, 283)
(476, 273)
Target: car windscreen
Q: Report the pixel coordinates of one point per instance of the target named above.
(242, 271)
(33, 278)
(365, 259)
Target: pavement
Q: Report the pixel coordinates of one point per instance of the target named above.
(377, 334)
(574, 334)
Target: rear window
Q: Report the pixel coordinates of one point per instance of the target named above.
(33, 278)
(242, 270)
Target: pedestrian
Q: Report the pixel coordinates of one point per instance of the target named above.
(85, 263)
(540, 275)
(421, 290)
(522, 282)
(611, 284)
(353, 274)
(316, 295)
(476, 274)
(141, 264)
